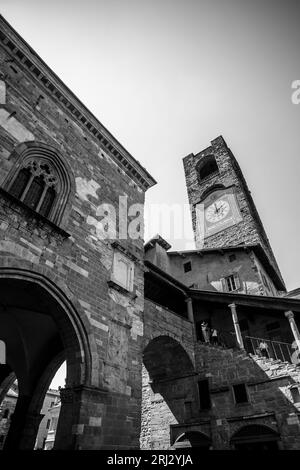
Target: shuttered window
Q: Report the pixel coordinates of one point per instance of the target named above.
(230, 283)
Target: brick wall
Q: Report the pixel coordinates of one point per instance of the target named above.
(171, 406)
(81, 263)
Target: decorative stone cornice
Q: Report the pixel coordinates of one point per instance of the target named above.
(53, 86)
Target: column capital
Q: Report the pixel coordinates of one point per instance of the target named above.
(232, 305)
(289, 314)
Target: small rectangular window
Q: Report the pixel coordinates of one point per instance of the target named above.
(187, 267)
(240, 393)
(48, 423)
(204, 396)
(232, 258)
(295, 394)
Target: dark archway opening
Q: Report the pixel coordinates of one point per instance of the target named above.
(255, 438)
(169, 391)
(165, 358)
(192, 439)
(207, 167)
(39, 335)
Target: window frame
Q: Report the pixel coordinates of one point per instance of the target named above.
(297, 389)
(236, 280)
(65, 186)
(189, 263)
(234, 395)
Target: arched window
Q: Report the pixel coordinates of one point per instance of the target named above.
(36, 185)
(206, 167)
(40, 180)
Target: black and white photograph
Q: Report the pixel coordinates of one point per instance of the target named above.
(149, 229)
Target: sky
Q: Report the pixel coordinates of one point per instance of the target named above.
(168, 76)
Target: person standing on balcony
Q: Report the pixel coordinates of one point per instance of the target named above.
(214, 336)
(263, 347)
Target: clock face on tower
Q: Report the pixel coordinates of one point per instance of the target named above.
(219, 210)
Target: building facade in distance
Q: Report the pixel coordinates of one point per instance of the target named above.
(7, 409)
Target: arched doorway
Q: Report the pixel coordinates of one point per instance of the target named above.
(169, 391)
(164, 357)
(255, 437)
(41, 329)
(192, 439)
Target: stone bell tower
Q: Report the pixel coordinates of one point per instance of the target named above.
(223, 211)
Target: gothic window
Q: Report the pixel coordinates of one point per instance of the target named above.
(41, 180)
(35, 185)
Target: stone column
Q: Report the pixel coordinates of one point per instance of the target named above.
(236, 326)
(290, 316)
(91, 418)
(14, 436)
(189, 305)
(30, 432)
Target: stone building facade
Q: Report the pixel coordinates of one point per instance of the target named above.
(76, 288)
(238, 386)
(210, 268)
(81, 291)
(221, 395)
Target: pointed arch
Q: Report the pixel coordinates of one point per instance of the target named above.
(42, 178)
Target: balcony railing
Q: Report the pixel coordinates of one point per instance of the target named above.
(275, 349)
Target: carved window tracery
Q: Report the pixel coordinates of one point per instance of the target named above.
(42, 179)
(36, 185)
